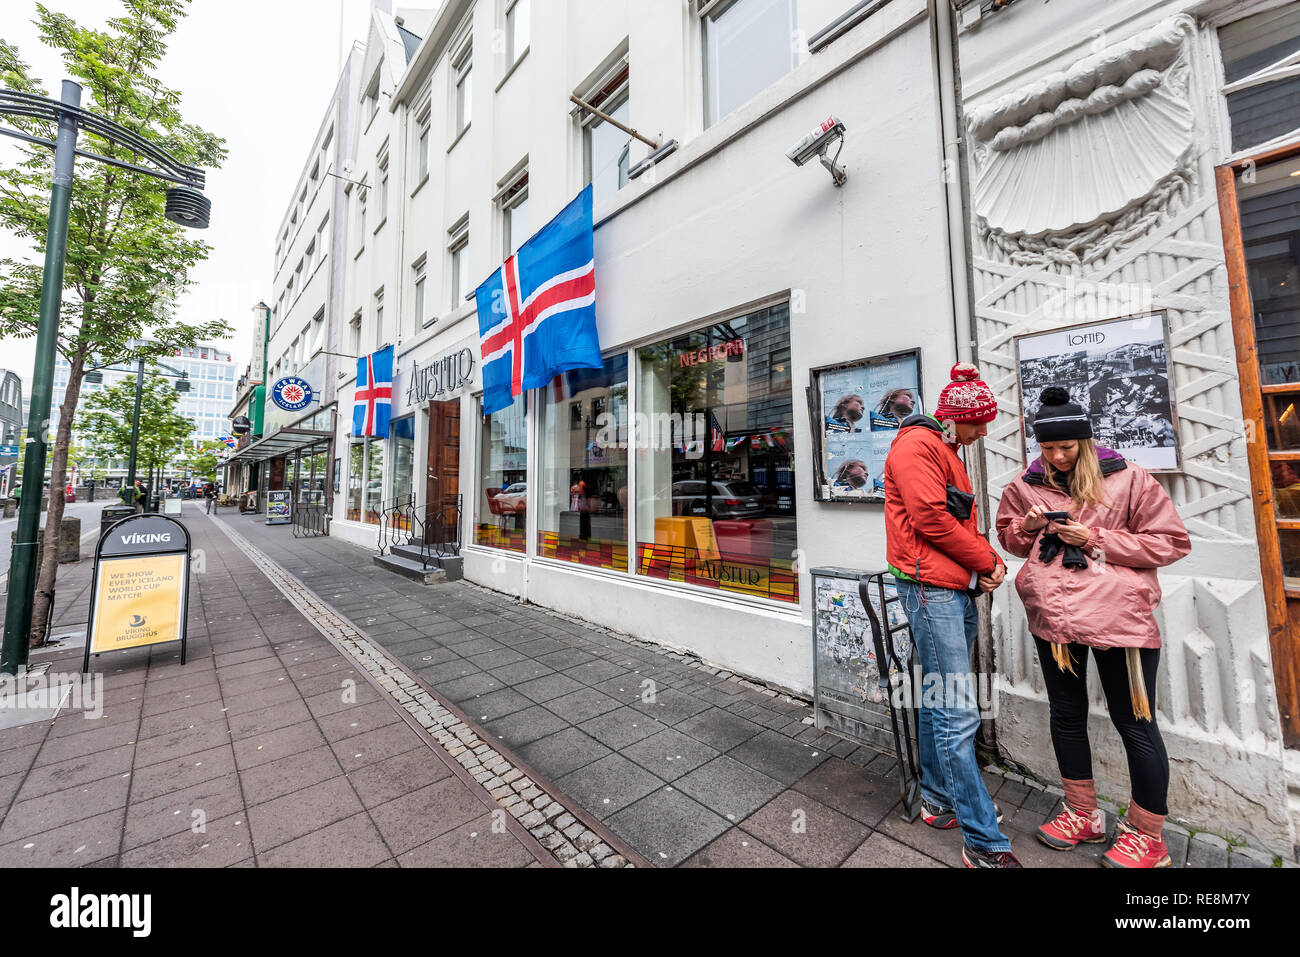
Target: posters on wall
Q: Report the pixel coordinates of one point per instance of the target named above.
(859, 407)
(849, 698)
(1118, 371)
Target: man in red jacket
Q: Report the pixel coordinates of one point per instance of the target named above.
(941, 563)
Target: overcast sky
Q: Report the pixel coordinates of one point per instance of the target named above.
(260, 74)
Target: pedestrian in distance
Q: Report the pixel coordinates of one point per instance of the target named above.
(210, 494)
(1093, 529)
(942, 564)
(17, 493)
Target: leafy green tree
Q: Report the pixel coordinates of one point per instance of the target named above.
(202, 460)
(107, 421)
(126, 264)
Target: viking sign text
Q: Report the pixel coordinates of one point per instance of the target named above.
(441, 377)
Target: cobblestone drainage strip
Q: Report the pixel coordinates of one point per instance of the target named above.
(551, 824)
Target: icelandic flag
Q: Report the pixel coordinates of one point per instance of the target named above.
(537, 313)
(373, 402)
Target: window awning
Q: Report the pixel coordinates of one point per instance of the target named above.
(286, 440)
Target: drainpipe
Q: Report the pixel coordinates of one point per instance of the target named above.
(947, 75)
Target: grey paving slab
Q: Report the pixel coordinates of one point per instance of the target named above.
(557, 754)
(222, 842)
(777, 756)
(395, 776)
(730, 788)
(735, 848)
(667, 827)
(806, 831)
(609, 784)
(669, 754)
(473, 844)
(153, 820)
(880, 851)
(517, 729)
(619, 728)
(352, 842)
(718, 728)
(301, 812)
(416, 818)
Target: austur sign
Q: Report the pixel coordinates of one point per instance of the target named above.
(442, 378)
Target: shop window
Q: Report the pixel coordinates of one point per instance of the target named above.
(356, 479)
(402, 432)
(365, 481)
(748, 46)
(502, 504)
(583, 502)
(715, 466)
(1260, 79)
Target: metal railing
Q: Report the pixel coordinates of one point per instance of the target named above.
(310, 520)
(433, 530)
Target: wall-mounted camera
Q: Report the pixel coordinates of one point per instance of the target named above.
(817, 144)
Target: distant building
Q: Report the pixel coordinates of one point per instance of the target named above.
(212, 376)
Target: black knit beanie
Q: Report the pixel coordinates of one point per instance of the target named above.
(1059, 419)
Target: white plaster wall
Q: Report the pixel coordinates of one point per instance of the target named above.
(1216, 699)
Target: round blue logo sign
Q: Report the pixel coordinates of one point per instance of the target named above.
(291, 394)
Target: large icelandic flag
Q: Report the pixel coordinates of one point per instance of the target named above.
(373, 402)
(537, 313)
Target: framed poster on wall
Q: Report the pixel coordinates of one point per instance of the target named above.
(1118, 371)
(856, 408)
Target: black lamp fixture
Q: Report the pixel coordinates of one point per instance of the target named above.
(187, 206)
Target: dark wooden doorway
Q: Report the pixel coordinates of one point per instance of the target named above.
(442, 484)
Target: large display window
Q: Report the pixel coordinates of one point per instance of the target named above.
(583, 495)
(365, 481)
(501, 511)
(715, 458)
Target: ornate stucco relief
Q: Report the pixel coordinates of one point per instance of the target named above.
(1086, 160)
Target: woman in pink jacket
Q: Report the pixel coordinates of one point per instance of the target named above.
(1091, 582)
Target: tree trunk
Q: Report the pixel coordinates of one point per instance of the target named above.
(54, 517)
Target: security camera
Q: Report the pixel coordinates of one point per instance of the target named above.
(829, 132)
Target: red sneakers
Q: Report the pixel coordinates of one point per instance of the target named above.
(1134, 849)
(1070, 828)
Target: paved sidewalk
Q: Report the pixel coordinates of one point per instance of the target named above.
(268, 748)
(712, 773)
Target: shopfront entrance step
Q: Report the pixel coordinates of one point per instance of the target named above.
(453, 565)
(413, 569)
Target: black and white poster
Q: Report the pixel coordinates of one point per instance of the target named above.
(1118, 371)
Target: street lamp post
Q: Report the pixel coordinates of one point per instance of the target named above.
(186, 205)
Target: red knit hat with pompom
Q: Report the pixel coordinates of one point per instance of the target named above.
(966, 398)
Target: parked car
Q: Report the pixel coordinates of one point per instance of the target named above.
(730, 499)
(513, 499)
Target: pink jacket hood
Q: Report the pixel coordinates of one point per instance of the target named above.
(1110, 603)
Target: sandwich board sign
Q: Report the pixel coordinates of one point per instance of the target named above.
(278, 507)
(139, 593)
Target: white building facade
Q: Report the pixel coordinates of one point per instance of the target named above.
(1187, 119)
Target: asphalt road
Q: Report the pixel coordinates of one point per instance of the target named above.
(88, 512)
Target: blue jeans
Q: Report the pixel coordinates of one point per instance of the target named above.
(945, 624)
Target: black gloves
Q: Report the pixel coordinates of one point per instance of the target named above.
(1050, 545)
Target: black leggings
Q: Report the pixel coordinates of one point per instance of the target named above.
(1067, 696)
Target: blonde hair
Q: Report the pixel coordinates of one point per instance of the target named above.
(1086, 485)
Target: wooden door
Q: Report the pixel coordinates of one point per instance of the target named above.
(1261, 234)
(442, 482)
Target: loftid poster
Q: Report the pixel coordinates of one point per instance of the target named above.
(1118, 371)
(138, 601)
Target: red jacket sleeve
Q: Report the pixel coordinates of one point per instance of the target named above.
(921, 483)
(1155, 535)
(1011, 522)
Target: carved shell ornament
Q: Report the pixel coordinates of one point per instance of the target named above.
(1086, 160)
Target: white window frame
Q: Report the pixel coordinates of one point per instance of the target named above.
(419, 287)
(457, 251)
(707, 10)
(511, 193)
(515, 53)
(424, 123)
(462, 89)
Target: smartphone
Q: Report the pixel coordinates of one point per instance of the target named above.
(1057, 516)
